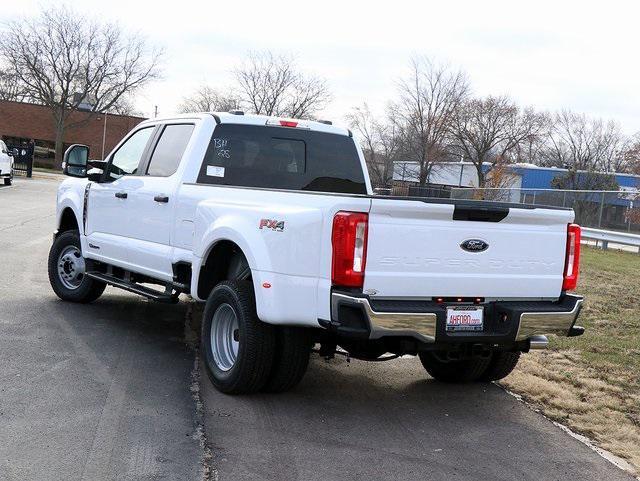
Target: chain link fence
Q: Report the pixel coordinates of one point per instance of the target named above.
(609, 210)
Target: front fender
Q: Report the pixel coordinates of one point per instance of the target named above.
(71, 196)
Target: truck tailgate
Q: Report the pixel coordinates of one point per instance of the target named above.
(415, 250)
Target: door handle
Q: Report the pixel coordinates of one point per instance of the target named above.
(121, 195)
(161, 198)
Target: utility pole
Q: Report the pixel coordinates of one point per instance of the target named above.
(155, 111)
(104, 134)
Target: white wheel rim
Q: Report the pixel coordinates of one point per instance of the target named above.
(224, 337)
(71, 267)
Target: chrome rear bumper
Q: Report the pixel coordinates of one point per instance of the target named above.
(528, 320)
(415, 324)
(533, 323)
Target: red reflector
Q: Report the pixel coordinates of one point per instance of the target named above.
(266, 285)
(288, 123)
(572, 258)
(349, 242)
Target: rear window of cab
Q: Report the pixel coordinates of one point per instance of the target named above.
(282, 158)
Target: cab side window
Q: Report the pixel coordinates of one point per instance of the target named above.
(126, 159)
(169, 150)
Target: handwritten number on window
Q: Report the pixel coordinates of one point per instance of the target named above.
(222, 148)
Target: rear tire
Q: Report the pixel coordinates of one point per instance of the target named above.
(237, 347)
(8, 181)
(291, 358)
(453, 371)
(501, 365)
(66, 270)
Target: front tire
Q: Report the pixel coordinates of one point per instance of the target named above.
(453, 371)
(238, 348)
(67, 268)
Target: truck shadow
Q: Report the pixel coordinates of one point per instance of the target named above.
(128, 313)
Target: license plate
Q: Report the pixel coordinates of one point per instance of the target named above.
(464, 318)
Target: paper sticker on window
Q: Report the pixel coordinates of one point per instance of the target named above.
(215, 171)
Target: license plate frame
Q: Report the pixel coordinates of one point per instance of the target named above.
(464, 319)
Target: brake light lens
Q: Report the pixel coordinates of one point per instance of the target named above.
(287, 123)
(572, 259)
(349, 242)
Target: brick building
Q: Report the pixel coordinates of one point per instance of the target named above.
(20, 122)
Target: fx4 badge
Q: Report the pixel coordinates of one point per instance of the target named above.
(274, 225)
(474, 245)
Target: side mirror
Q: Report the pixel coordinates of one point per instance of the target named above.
(75, 161)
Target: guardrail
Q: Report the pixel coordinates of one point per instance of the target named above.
(606, 236)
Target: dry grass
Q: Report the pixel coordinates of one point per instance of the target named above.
(592, 383)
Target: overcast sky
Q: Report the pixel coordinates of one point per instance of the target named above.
(549, 54)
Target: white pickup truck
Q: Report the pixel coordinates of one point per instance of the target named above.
(6, 163)
(273, 224)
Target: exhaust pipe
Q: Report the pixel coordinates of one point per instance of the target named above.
(538, 342)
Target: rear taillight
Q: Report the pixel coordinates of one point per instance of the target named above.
(349, 242)
(572, 259)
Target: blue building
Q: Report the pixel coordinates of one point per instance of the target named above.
(534, 177)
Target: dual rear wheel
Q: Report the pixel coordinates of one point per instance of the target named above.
(244, 355)
(497, 366)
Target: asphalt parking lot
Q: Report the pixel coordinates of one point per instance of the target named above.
(106, 391)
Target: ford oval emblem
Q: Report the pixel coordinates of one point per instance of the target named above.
(474, 245)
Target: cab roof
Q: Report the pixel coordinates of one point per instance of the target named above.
(252, 119)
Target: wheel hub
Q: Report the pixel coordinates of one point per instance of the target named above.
(225, 337)
(71, 267)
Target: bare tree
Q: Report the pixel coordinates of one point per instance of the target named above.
(124, 106)
(614, 147)
(66, 61)
(273, 85)
(10, 89)
(584, 146)
(425, 109)
(531, 149)
(380, 144)
(208, 99)
(632, 154)
(486, 131)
